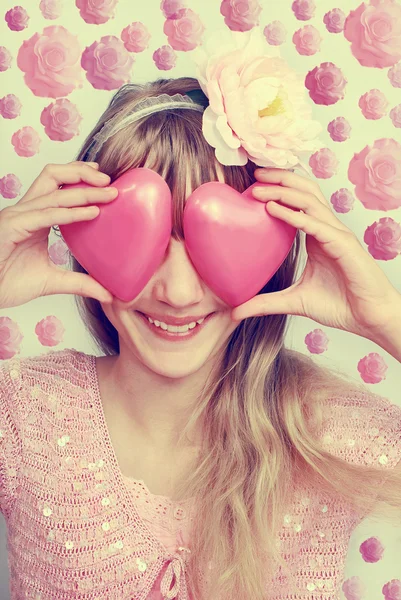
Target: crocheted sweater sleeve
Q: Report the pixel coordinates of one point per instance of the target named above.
(363, 429)
(10, 442)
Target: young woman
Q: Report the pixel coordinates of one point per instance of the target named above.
(208, 463)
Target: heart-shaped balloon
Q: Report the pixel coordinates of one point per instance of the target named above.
(234, 244)
(123, 246)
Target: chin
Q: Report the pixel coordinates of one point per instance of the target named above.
(172, 368)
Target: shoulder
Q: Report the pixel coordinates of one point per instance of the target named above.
(362, 427)
(45, 369)
(34, 386)
(351, 421)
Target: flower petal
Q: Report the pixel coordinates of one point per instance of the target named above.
(257, 102)
(227, 133)
(228, 156)
(215, 97)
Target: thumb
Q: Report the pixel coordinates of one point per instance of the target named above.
(70, 282)
(284, 302)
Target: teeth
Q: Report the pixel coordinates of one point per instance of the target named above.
(173, 328)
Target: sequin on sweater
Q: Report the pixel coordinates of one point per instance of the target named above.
(78, 529)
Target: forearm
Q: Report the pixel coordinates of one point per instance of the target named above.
(390, 339)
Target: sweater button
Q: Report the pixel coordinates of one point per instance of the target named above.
(179, 512)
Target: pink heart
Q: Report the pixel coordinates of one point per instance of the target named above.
(124, 245)
(234, 244)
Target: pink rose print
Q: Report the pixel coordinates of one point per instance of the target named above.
(51, 9)
(10, 186)
(135, 37)
(375, 34)
(339, 129)
(61, 120)
(240, 15)
(334, 20)
(17, 18)
(275, 33)
(26, 141)
(5, 58)
(96, 12)
(395, 115)
(393, 74)
(50, 331)
(51, 62)
(317, 341)
(376, 173)
(171, 8)
(354, 588)
(10, 338)
(303, 9)
(59, 253)
(372, 550)
(165, 58)
(383, 239)
(324, 163)
(185, 32)
(10, 106)
(373, 104)
(372, 368)
(326, 84)
(107, 63)
(392, 590)
(307, 40)
(342, 201)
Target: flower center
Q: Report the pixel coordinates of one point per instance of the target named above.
(276, 107)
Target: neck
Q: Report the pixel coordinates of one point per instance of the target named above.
(156, 408)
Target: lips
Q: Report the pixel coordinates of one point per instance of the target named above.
(175, 321)
(175, 337)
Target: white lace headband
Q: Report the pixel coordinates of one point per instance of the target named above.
(142, 109)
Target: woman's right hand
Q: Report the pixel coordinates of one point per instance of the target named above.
(26, 270)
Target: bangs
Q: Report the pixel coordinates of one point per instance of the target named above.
(176, 149)
(172, 144)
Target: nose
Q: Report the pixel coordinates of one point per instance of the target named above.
(176, 281)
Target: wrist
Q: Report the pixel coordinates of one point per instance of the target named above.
(389, 337)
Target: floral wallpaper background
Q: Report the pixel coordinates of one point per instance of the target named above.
(62, 60)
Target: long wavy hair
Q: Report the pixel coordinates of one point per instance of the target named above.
(261, 405)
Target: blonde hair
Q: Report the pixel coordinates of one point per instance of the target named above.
(262, 401)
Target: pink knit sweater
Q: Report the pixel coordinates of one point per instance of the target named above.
(78, 529)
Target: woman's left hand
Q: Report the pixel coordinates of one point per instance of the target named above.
(341, 285)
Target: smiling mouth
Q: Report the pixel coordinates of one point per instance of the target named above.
(171, 322)
(186, 333)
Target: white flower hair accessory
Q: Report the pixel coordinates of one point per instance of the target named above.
(257, 103)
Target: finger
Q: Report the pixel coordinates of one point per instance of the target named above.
(71, 282)
(26, 223)
(69, 198)
(292, 180)
(304, 201)
(54, 175)
(323, 232)
(284, 302)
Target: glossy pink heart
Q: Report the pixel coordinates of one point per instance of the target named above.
(234, 244)
(123, 246)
